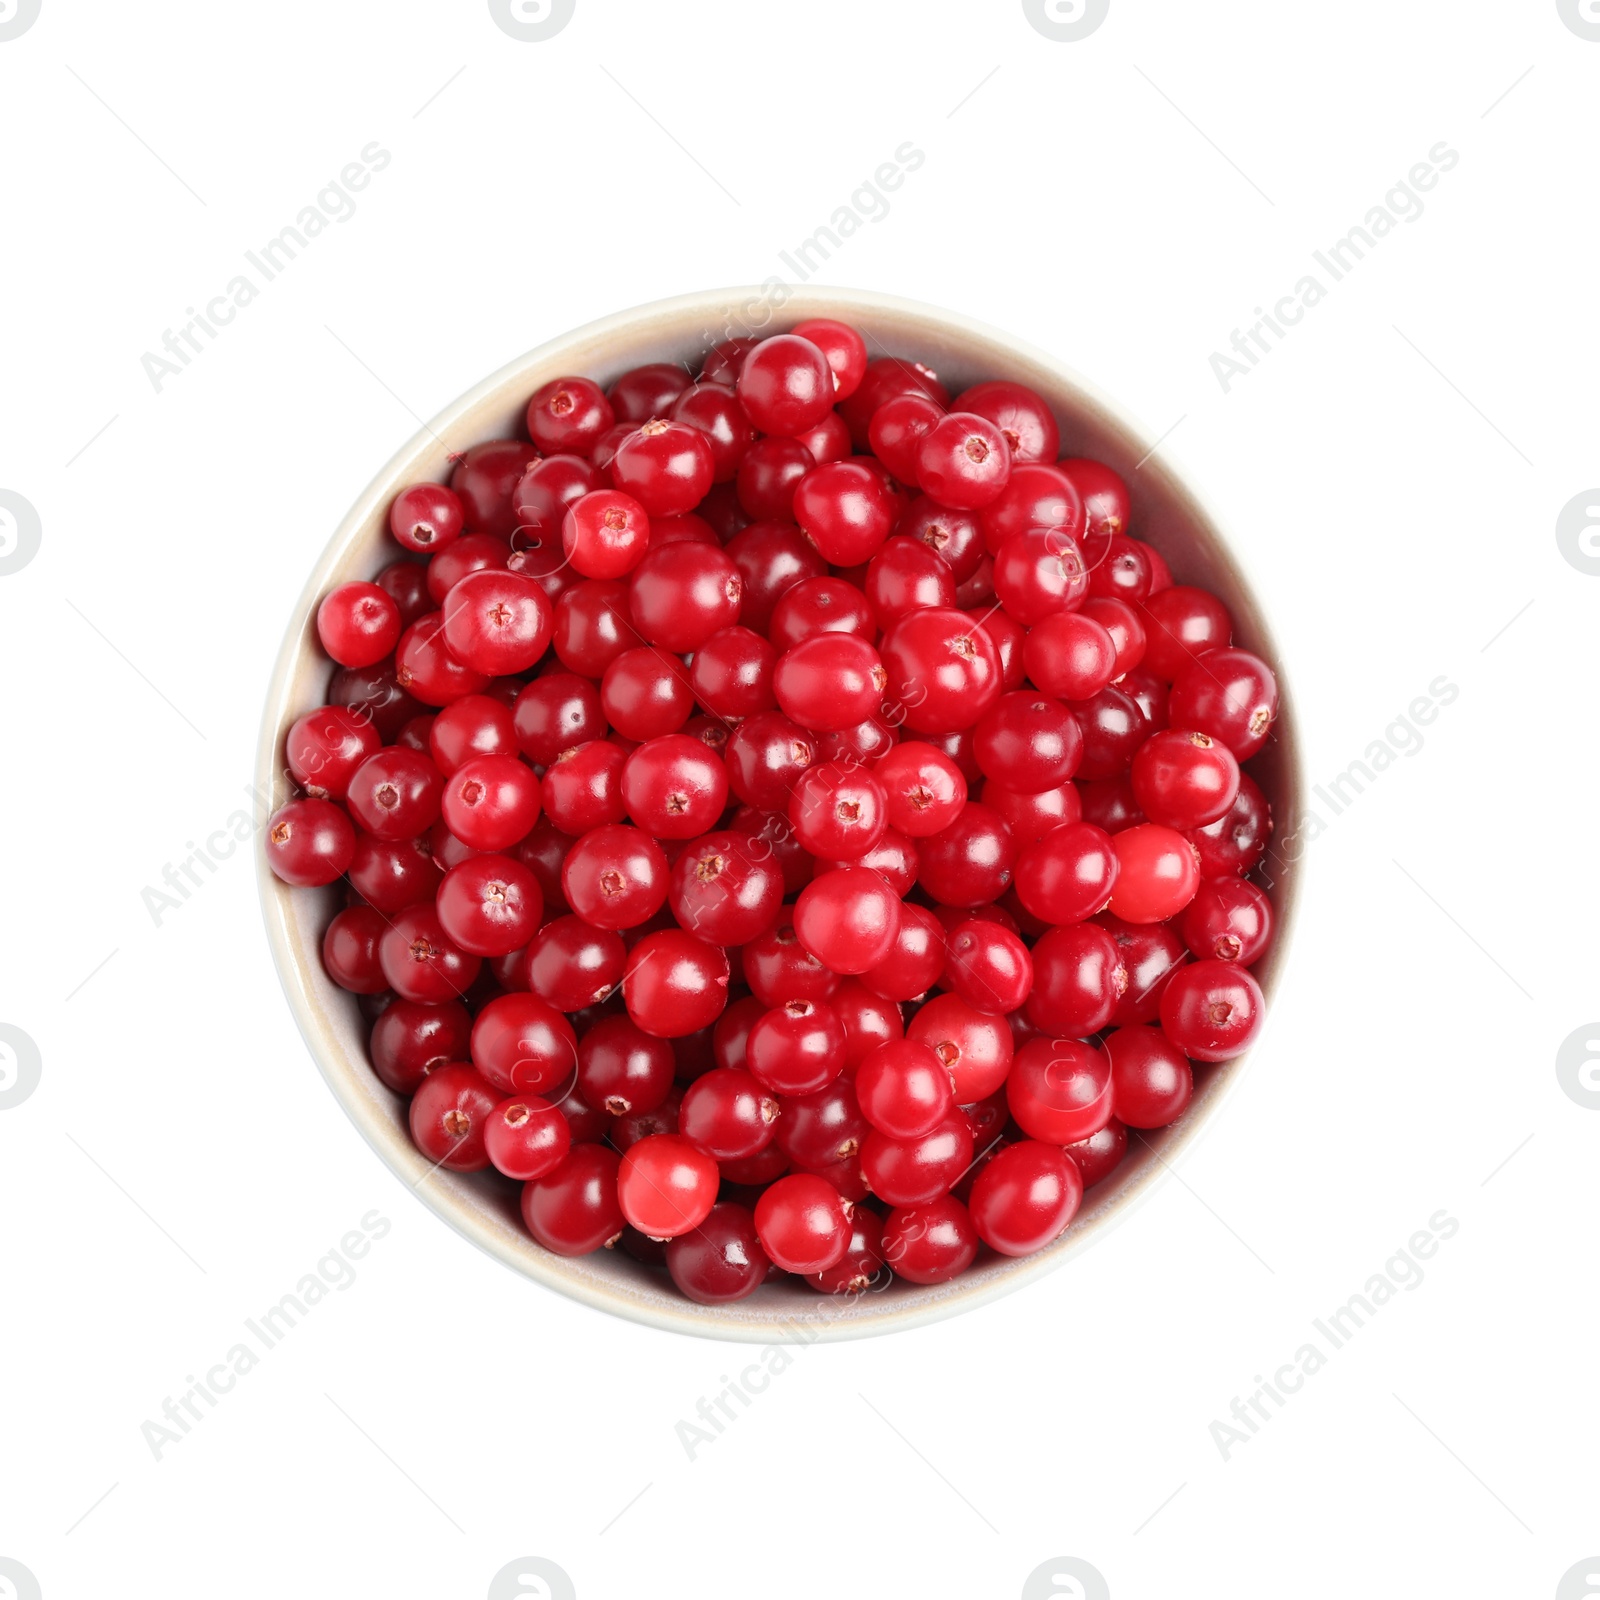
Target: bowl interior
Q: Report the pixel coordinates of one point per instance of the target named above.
(483, 1207)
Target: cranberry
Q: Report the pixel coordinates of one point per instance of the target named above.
(682, 593)
(731, 674)
(1184, 779)
(491, 802)
(765, 756)
(526, 1137)
(1024, 1197)
(882, 381)
(771, 557)
(411, 1039)
(449, 1115)
(647, 391)
(1070, 654)
(974, 1048)
(842, 347)
(1236, 842)
(406, 583)
(1038, 498)
(358, 624)
(325, 748)
(1022, 416)
(904, 1089)
(943, 672)
(1157, 873)
(1231, 695)
(591, 627)
(475, 725)
(675, 983)
(845, 509)
(1151, 1081)
(725, 888)
(897, 430)
(818, 606)
(425, 668)
(1031, 816)
(572, 965)
(556, 712)
(803, 1223)
(1229, 919)
(1060, 1090)
(673, 787)
(989, 967)
(582, 787)
(964, 461)
(523, 1045)
(392, 874)
(861, 1265)
(868, 1019)
(720, 1260)
(490, 905)
(615, 877)
(1078, 977)
(309, 842)
(568, 414)
(374, 694)
(796, 1048)
(930, 1243)
(621, 1069)
(847, 919)
(1098, 1156)
(645, 693)
(1212, 1010)
(543, 495)
(350, 950)
(605, 533)
(484, 479)
(1069, 874)
(497, 623)
(969, 863)
(427, 517)
(574, 1209)
(666, 466)
(907, 1172)
(768, 476)
(786, 385)
(829, 681)
(1151, 952)
(905, 576)
(1180, 625)
(728, 1114)
(838, 810)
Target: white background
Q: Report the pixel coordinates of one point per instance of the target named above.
(1391, 476)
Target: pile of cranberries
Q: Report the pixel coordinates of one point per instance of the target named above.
(789, 824)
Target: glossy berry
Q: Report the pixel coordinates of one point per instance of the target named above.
(829, 681)
(491, 802)
(674, 787)
(615, 877)
(526, 1137)
(572, 965)
(904, 1090)
(568, 415)
(1230, 694)
(675, 983)
(605, 534)
(309, 842)
(847, 919)
(1060, 1090)
(1027, 743)
(1157, 873)
(988, 966)
(1024, 1197)
(573, 1209)
(796, 1047)
(803, 1223)
(906, 1172)
(930, 1243)
(1184, 779)
(1151, 1080)
(1069, 874)
(358, 624)
(490, 905)
(786, 385)
(846, 510)
(964, 461)
(427, 517)
(720, 1260)
(1229, 919)
(943, 672)
(666, 466)
(1212, 1010)
(449, 1116)
(682, 593)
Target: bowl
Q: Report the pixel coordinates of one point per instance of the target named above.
(483, 1207)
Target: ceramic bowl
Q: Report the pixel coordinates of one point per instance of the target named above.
(483, 1207)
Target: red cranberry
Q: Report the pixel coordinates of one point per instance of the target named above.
(1212, 1010)
(309, 842)
(1024, 1197)
(683, 593)
(449, 1115)
(1060, 1090)
(803, 1223)
(847, 919)
(573, 1209)
(721, 1260)
(666, 466)
(675, 983)
(1151, 1080)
